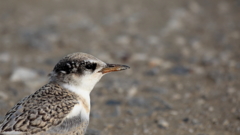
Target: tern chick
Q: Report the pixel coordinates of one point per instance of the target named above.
(62, 106)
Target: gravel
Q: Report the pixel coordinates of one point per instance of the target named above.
(184, 59)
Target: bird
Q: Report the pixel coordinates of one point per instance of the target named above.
(62, 106)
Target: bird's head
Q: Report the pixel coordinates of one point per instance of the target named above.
(82, 71)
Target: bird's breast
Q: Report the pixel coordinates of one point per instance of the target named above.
(80, 110)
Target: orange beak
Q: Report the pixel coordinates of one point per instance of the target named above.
(113, 67)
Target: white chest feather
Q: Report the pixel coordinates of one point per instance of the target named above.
(79, 110)
(83, 108)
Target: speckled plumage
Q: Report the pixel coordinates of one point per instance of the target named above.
(44, 110)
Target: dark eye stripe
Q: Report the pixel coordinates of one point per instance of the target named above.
(91, 66)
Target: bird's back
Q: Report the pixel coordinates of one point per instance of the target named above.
(44, 112)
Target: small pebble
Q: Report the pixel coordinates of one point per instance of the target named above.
(174, 113)
(163, 124)
(226, 123)
(123, 40)
(195, 7)
(200, 101)
(180, 70)
(210, 109)
(117, 111)
(176, 97)
(132, 91)
(233, 110)
(186, 120)
(139, 57)
(153, 62)
(191, 130)
(214, 121)
(138, 101)
(152, 72)
(153, 40)
(93, 132)
(179, 40)
(3, 95)
(195, 121)
(23, 74)
(5, 57)
(231, 91)
(113, 102)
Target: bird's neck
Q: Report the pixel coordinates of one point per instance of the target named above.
(83, 108)
(81, 92)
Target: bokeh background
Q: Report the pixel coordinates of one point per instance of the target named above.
(184, 57)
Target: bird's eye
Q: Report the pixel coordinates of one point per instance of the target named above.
(89, 66)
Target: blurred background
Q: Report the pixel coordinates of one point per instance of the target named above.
(184, 57)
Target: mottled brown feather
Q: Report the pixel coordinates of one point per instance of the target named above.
(40, 111)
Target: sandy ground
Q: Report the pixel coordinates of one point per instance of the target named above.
(184, 57)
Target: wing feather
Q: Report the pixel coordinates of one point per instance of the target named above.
(44, 109)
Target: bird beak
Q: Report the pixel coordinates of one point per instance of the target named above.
(113, 67)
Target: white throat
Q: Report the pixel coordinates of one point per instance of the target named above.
(79, 109)
(79, 91)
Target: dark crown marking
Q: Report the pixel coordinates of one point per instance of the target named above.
(73, 66)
